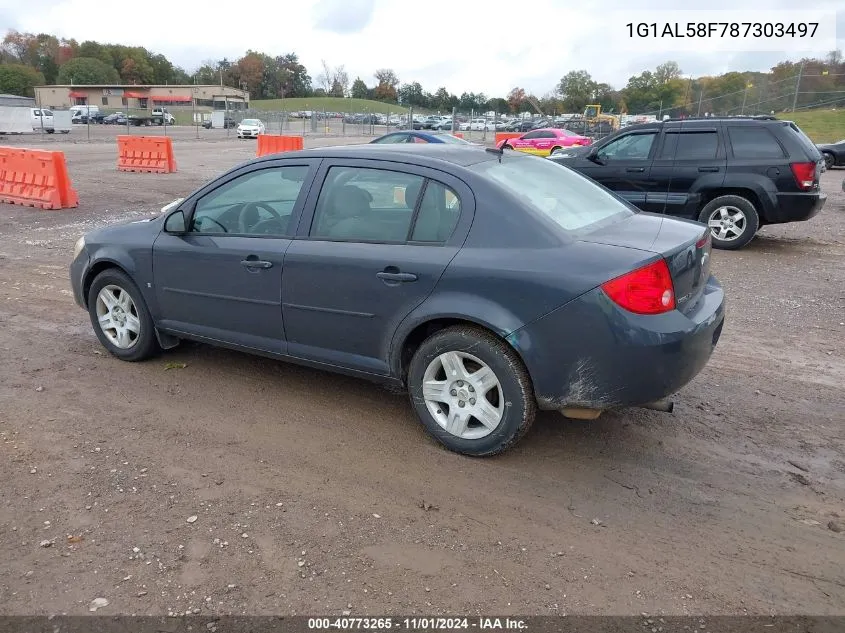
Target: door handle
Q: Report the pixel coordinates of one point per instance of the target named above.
(397, 277)
(256, 263)
(637, 170)
(708, 169)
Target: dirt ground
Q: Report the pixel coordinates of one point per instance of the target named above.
(319, 494)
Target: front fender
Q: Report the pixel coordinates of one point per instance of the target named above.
(451, 305)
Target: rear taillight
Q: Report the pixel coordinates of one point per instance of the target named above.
(703, 240)
(647, 290)
(805, 175)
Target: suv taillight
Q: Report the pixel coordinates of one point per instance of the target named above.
(647, 290)
(805, 175)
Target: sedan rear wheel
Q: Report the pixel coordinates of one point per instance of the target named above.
(471, 391)
(120, 317)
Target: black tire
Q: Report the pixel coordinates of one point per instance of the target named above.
(516, 390)
(145, 344)
(829, 160)
(752, 221)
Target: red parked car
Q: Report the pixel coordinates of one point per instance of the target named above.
(546, 141)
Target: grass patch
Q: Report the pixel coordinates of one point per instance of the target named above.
(822, 126)
(326, 104)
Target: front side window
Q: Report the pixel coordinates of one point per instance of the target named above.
(629, 147)
(366, 204)
(256, 203)
(572, 201)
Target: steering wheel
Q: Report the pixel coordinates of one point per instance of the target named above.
(206, 218)
(254, 206)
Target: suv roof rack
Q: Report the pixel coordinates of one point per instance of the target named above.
(754, 117)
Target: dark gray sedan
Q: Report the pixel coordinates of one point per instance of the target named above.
(487, 284)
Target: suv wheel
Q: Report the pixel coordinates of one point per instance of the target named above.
(733, 221)
(471, 391)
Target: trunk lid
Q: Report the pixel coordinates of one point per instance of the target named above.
(685, 245)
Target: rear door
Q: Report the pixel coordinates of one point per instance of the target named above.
(374, 240)
(691, 160)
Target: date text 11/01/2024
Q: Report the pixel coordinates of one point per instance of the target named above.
(722, 29)
(416, 624)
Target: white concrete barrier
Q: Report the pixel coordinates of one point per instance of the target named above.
(15, 120)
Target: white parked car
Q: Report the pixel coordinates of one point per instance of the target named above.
(478, 125)
(42, 119)
(250, 128)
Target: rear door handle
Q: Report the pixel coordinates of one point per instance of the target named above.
(708, 169)
(256, 263)
(396, 276)
(635, 170)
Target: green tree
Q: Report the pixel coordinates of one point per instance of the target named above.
(359, 89)
(576, 89)
(96, 50)
(17, 79)
(497, 104)
(87, 70)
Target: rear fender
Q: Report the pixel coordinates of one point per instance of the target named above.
(483, 312)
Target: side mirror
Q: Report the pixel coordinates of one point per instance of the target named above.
(593, 155)
(176, 224)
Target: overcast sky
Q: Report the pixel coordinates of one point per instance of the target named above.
(485, 47)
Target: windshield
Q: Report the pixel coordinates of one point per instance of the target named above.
(250, 122)
(572, 201)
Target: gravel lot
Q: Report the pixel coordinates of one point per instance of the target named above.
(315, 493)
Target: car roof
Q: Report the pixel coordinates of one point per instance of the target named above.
(432, 154)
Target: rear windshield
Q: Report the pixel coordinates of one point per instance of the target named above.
(805, 142)
(572, 201)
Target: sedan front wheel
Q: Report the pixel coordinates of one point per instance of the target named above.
(120, 317)
(471, 391)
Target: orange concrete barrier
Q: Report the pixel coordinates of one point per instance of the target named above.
(503, 136)
(274, 144)
(457, 134)
(35, 178)
(153, 154)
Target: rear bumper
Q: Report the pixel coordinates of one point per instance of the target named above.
(592, 354)
(795, 207)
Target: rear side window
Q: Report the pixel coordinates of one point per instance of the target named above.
(690, 145)
(754, 142)
(439, 211)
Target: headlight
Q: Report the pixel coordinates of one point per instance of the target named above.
(77, 248)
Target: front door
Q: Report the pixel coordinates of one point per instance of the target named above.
(378, 240)
(222, 280)
(623, 166)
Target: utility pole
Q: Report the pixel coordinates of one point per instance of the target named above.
(744, 99)
(797, 85)
(700, 95)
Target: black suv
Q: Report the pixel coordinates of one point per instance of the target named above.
(734, 174)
